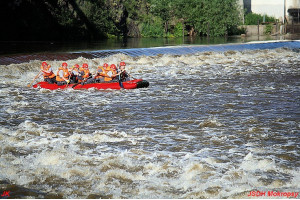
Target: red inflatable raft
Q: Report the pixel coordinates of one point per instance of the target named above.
(136, 83)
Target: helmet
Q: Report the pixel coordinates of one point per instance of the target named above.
(44, 64)
(64, 64)
(122, 64)
(105, 65)
(76, 65)
(113, 66)
(84, 65)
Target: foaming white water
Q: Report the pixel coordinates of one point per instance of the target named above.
(211, 125)
(208, 65)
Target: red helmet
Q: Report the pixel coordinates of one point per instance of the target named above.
(113, 66)
(76, 65)
(44, 64)
(85, 65)
(122, 64)
(64, 64)
(105, 65)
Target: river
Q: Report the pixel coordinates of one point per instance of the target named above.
(210, 125)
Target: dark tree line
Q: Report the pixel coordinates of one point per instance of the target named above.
(99, 19)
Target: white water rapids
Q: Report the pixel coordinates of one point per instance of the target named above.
(210, 125)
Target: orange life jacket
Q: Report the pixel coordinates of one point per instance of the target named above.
(46, 74)
(100, 75)
(66, 74)
(107, 77)
(86, 72)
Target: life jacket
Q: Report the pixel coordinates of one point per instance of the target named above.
(124, 76)
(100, 72)
(86, 72)
(109, 74)
(66, 74)
(46, 74)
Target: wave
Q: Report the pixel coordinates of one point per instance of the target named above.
(173, 50)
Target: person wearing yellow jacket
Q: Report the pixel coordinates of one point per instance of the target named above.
(63, 75)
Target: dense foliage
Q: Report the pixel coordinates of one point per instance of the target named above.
(96, 19)
(254, 19)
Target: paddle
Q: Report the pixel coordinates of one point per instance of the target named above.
(119, 78)
(120, 82)
(68, 81)
(29, 85)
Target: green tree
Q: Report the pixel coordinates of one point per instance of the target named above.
(217, 17)
(162, 9)
(208, 17)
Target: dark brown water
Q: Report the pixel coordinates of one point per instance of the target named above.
(211, 125)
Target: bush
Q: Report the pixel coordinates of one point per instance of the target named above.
(152, 29)
(252, 19)
(268, 30)
(178, 30)
(237, 31)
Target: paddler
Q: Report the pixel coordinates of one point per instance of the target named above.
(100, 73)
(109, 73)
(47, 72)
(99, 77)
(74, 73)
(84, 74)
(63, 75)
(123, 75)
(113, 69)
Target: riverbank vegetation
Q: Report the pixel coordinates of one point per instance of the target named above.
(254, 19)
(98, 19)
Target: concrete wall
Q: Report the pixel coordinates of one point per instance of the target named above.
(253, 29)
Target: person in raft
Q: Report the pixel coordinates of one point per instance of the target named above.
(100, 73)
(74, 71)
(106, 73)
(47, 72)
(63, 75)
(123, 75)
(114, 77)
(84, 74)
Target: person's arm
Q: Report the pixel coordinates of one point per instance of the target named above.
(47, 71)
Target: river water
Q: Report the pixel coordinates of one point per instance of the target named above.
(210, 125)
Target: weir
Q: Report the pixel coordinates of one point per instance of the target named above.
(181, 50)
(172, 50)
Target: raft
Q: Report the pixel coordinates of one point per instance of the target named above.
(132, 84)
